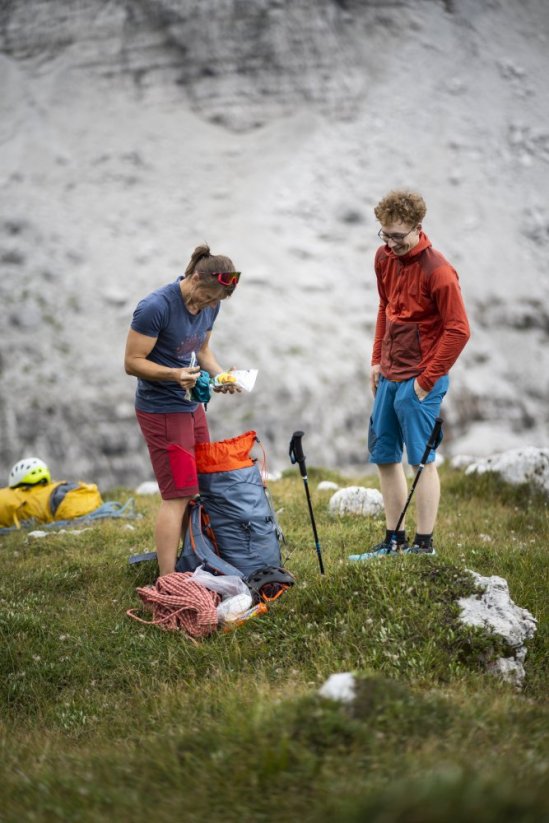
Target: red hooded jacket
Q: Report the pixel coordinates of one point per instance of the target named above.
(421, 323)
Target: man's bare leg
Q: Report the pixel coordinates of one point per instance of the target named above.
(427, 499)
(394, 490)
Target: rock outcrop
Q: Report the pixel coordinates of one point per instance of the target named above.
(494, 611)
(517, 466)
(131, 132)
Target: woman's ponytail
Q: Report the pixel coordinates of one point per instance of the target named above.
(204, 262)
(200, 253)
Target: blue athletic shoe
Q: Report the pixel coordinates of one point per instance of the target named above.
(381, 550)
(415, 549)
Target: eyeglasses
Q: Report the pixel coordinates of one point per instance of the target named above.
(226, 278)
(396, 237)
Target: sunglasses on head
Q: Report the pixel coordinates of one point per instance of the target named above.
(226, 278)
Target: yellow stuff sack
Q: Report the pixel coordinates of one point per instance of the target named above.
(85, 498)
(46, 502)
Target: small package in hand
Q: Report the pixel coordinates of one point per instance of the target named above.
(241, 378)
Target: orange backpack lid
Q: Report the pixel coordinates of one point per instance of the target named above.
(225, 455)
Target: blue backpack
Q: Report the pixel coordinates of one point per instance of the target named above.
(232, 525)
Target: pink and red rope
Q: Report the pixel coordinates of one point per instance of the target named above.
(178, 602)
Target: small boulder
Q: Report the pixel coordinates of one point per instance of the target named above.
(148, 487)
(526, 465)
(339, 687)
(462, 461)
(495, 611)
(327, 485)
(356, 500)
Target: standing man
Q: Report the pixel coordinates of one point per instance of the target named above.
(420, 332)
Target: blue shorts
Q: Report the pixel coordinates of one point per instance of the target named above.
(399, 418)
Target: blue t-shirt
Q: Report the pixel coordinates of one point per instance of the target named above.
(163, 315)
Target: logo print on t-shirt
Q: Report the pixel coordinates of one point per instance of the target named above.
(188, 345)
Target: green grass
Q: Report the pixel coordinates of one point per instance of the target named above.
(104, 718)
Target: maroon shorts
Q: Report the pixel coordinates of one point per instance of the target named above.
(171, 439)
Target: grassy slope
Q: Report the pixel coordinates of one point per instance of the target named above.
(106, 718)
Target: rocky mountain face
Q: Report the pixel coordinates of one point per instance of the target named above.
(130, 132)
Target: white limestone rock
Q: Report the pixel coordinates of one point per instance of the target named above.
(340, 687)
(148, 487)
(523, 465)
(462, 461)
(356, 500)
(495, 611)
(327, 485)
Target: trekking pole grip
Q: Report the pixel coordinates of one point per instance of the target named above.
(296, 452)
(436, 434)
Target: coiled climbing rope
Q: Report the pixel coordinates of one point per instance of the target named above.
(179, 602)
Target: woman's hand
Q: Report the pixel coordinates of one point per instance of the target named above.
(227, 383)
(188, 376)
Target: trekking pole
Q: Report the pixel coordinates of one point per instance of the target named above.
(297, 456)
(432, 444)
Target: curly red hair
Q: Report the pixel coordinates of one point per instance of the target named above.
(401, 207)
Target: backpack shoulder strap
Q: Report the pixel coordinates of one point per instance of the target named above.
(199, 548)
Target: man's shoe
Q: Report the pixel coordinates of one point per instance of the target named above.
(381, 550)
(415, 549)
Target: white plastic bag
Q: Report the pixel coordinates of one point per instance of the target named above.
(232, 608)
(227, 585)
(245, 378)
